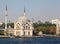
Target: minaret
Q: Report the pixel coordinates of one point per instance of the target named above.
(24, 11)
(6, 17)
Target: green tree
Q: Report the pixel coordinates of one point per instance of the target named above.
(46, 28)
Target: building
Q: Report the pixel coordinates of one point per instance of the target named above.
(57, 22)
(22, 27)
(1, 23)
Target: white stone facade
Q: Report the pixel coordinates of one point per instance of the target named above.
(23, 27)
(57, 22)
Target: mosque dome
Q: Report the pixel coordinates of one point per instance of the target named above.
(23, 18)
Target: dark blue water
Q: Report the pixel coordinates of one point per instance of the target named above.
(35, 40)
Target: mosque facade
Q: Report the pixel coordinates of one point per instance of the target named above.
(22, 27)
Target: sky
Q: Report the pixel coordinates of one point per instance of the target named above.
(43, 10)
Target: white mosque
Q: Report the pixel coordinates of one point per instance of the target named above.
(22, 27)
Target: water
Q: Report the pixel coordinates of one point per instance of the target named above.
(35, 40)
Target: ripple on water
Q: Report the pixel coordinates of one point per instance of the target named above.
(33, 40)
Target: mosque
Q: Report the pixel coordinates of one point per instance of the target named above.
(22, 27)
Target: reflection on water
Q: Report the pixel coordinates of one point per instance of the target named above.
(35, 40)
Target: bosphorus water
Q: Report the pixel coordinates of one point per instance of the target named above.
(31, 40)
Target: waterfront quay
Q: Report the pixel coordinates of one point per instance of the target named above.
(44, 35)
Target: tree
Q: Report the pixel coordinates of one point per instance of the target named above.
(53, 30)
(46, 28)
(11, 24)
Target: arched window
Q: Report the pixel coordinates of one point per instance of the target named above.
(28, 33)
(24, 32)
(18, 26)
(27, 26)
(17, 33)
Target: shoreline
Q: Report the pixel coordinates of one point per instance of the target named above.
(3, 36)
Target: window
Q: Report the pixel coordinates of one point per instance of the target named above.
(17, 33)
(24, 32)
(18, 26)
(28, 33)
